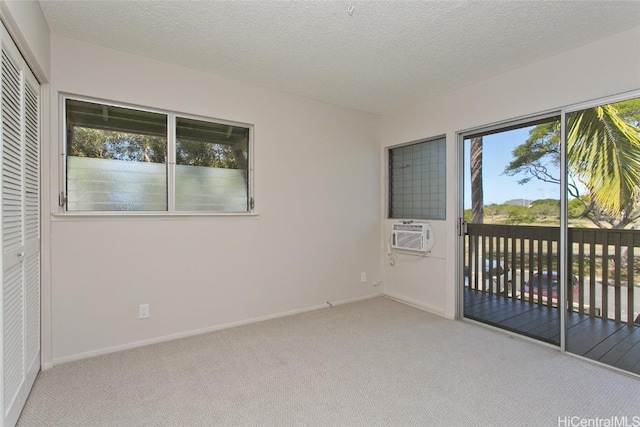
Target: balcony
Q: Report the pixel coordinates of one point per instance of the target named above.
(511, 281)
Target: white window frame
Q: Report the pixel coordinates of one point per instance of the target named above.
(171, 147)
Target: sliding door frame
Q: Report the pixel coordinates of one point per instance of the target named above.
(625, 96)
(564, 232)
(502, 125)
(564, 226)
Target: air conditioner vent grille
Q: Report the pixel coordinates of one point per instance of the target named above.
(411, 236)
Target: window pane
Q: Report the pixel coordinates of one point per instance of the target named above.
(116, 158)
(512, 174)
(417, 180)
(211, 166)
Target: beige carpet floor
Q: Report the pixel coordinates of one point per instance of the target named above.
(371, 363)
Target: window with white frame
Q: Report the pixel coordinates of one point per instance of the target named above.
(128, 159)
(417, 180)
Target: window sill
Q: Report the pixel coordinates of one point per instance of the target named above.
(71, 216)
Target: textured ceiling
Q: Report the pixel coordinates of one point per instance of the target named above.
(382, 56)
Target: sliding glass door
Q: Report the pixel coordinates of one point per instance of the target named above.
(603, 243)
(512, 215)
(551, 221)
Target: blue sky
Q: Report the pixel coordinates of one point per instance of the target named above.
(498, 187)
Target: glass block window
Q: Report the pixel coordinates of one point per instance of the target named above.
(417, 180)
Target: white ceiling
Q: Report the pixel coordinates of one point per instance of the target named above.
(383, 56)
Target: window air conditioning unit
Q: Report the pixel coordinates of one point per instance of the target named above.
(412, 236)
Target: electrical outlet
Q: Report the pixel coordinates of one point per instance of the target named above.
(363, 277)
(143, 312)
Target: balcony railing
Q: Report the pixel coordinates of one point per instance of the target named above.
(522, 262)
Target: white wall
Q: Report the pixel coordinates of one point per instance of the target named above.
(317, 195)
(607, 67)
(27, 26)
(318, 189)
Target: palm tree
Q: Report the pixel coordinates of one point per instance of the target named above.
(603, 151)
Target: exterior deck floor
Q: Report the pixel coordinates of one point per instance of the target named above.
(604, 340)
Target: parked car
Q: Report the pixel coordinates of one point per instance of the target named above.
(540, 282)
(543, 279)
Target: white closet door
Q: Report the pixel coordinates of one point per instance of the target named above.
(31, 192)
(20, 221)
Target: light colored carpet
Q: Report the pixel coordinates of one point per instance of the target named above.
(371, 363)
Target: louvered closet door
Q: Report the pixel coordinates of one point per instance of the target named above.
(20, 230)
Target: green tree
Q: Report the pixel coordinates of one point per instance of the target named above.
(518, 215)
(575, 207)
(603, 154)
(492, 210)
(114, 145)
(543, 208)
(117, 145)
(198, 153)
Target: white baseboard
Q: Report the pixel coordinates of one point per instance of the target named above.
(128, 346)
(417, 304)
(350, 300)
